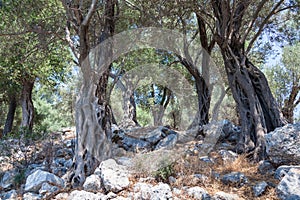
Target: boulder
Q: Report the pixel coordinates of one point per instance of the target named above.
(288, 188)
(259, 188)
(47, 189)
(35, 181)
(7, 180)
(265, 167)
(235, 178)
(84, 195)
(10, 195)
(198, 193)
(32, 196)
(283, 144)
(92, 183)
(114, 176)
(161, 191)
(281, 171)
(145, 139)
(228, 156)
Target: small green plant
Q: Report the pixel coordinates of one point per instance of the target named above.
(20, 178)
(164, 173)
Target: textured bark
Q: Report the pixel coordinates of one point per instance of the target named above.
(129, 106)
(93, 114)
(158, 110)
(27, 105)
(258, 110)
(291, 103)
(10, 115)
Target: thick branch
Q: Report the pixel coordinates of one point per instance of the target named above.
(262, 25)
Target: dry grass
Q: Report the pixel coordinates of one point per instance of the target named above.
(186, 167)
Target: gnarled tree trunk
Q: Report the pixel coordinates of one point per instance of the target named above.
(129, 106)
(93, 115)
(10, 115)
(258, 110)
(27, 105)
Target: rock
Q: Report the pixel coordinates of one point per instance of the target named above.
(201, 178)
(198, 193)
(228, 156)
(114, 176)
(161, 191)
(92, 183)
(32, 196)
(34, 181)
(47, 189)
(145, 139)
(283, 144)
(130, 143)
(62, 196)
(230, 132)
(281, 171)
(7, 180)
(265, 167)
(235, 178)
(84, 195)
(288, 188)
(11, 195)
(168, 142)
(225, 196)
(68, 164)
(259, 188)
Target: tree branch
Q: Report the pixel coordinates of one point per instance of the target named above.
(88, 17)
(262, 25)
(251, 23)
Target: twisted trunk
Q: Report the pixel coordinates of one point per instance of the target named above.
(93, 114)
(10, 115)
(258, 110)
(27, 105)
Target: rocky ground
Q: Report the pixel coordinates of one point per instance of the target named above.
(155, 163)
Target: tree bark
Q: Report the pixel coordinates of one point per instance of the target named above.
(10, 115)
(258, 110)
(129, 106)
(291, 103)
(158, 110)
(93, 113)
(27, 105)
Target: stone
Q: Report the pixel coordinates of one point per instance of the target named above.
(225, 196)
(7, 180)
(282, 170)
(168, 142)
(92, 183)
(114, 176)
(230, 132)
(235, 178)
(10, 195)
(34, 181)
(47, 188)
(265, 167)
(68, 164)
(32, 196)
(198, 193)
(62, 196)
(283, 144)
(84, 195)
(228, 156)
(130, 143)
(259, 188)
(161, 191)
(288, 187)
